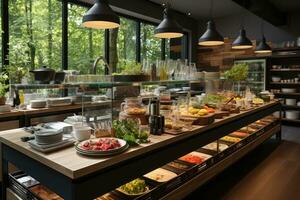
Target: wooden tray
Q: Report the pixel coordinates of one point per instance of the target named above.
(201, 121)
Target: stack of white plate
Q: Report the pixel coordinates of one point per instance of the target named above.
(5, 108)
(290, 102)
(38, 103)
(288, 90)
(59, 101)
(292, 114)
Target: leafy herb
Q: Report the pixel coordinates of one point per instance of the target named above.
(213, 100)
(239, 72)
(130, 68)
(128, 130)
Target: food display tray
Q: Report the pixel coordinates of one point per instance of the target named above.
(20, 189)
(152, 194)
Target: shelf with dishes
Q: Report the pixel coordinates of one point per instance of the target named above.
(183, 174)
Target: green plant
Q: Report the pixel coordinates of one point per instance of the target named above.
(239, 72)
(3, 84)
(16, 72)
(130, 68)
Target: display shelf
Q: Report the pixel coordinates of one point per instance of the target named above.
(102, 84)
(285, 70)
(279, 83)
(285, 49)
(291, 120)
(290, 107)
(287, 94)
(74, 177)
(191, 185)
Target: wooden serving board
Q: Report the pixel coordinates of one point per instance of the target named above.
(201, 121)
(176, 132)
(221, 114)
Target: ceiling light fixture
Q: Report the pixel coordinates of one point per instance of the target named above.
(168, 28)
(101, 16)
(263, 46)
(211, 36)
(242, 42)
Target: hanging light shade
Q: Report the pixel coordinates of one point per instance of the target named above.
(263, 47)
(168, 28)
(242, 42)
(211, 36)
(101, 16)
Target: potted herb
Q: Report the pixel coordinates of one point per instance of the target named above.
(16, 73)
(3, 88)
(130, 72)
(239, 72)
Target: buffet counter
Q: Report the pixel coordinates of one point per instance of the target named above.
(73, 176)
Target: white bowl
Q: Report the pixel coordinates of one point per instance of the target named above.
(82, 133)
(276, 79)
(290, 102)
(288, 90)
(292, 114)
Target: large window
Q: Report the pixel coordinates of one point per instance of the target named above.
(150, 46)
(35, 33)
(85, 45)
(123, 44)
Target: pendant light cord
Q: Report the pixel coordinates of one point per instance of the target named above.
(211, 9)
(262, 28)
(243, 14)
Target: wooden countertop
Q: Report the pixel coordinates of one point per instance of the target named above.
(74, 166)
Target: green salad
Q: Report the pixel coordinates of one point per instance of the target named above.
(128, 130)
(135, 187)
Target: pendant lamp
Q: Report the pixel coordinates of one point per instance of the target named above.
(168, 28)
(211, 36)
(101, 16)
(242, 41)
(263, 47)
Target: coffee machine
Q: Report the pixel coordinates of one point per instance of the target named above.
(156, 121)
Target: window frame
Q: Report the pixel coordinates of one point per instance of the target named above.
(64, 53)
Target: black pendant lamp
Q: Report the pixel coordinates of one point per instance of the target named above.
(101, 16)
(263, 47)
(242, 42)
(168, 28)
(211, 36)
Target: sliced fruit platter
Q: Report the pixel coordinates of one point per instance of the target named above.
(101, 147)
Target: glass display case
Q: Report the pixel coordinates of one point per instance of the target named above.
(257, 72)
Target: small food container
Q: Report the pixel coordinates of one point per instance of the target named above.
(133, 106)
(81, 132)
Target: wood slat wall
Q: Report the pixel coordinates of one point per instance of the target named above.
(222, 56)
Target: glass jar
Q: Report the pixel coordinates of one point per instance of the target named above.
(133, 106)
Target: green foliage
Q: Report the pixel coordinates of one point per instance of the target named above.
(16, 72)
(129, 130)
(239, 72)
(130, 68)
(3, 84)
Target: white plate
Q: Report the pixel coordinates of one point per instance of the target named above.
(122, 148)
